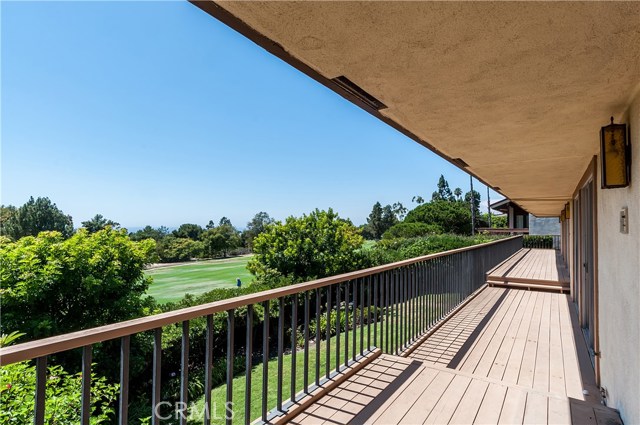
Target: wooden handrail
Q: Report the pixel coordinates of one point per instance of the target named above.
(55, 344)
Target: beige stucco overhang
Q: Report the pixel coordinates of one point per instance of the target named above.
(518, 90)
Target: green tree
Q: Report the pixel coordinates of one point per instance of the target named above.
(374, 221)
(221, 240)
(316, 245)
(6, 212)
(177, 249)
(224, 221)
(189, 230)
(149, 232)
(418, 199)
(35, 216)
(389, 219)
(53, 285)
(451, 217)
(98, 223)
(458, 194)
(210, 225)
(257, 226)
(444, 192)
(399, 210)
(476, 205)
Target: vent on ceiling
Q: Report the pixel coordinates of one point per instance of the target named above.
(460, 162)
(356, 91)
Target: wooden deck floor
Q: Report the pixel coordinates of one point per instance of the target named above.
(509, 356)
(532, 268)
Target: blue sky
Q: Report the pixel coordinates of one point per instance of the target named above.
(156, 113)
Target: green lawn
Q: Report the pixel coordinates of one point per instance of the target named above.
(171, 283)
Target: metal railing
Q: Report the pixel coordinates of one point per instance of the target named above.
(332, 323)
(542, 241)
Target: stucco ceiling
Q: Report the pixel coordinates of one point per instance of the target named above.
(518, 90)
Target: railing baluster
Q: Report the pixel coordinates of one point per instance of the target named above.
(208, 370)
(265, 360)
(184, 372)
(230, 357)
(338, 326)
(370, 287)
(362, 315)
(376, 287)
(328, 333)
(305, 371)
(85, 413)
(280, 353)
(248, 366)
(387, 310)
(41, 390)
(354, 342)
(346, 323)
(407, 307)
(396, 302)
(157, 369)
(123, 403)
(294, 344)
(318, 337)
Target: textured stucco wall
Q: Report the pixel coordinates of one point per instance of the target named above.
(619, 284)
(543, 225)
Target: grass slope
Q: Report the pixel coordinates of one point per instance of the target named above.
(171, 283)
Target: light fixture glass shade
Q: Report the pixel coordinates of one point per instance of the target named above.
(614, 156)
(567, 212)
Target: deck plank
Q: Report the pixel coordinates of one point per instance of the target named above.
(470, 403)
(541, 373)
(491, 407)
(506, 345)
(556, 356)
(537, 368)
(513, 407)
(514, 364)
(444, 410)
(477, 350)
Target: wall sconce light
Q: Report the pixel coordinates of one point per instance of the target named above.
(615, 153)
(567, 211)
(562, 215)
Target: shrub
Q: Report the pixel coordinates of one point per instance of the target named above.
(62, 394)
(537, 241)
(313, 246)
(451, 217)
(412, 230)
(52, 285)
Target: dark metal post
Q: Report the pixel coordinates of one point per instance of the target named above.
(265, 360)
(248, 365)
(85, 412)
(280, 353)
(157, 369)
(230, 354)
(208, 370)
(294, 344)
(184, 372)
(41, 390)
(123, 403)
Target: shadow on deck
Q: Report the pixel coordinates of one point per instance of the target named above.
(508, 356)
